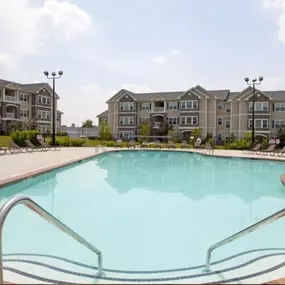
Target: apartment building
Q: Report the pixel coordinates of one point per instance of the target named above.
(30, 104)
(219, 112)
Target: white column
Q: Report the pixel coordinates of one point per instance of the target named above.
(206, 115)
(165, 104)
(215, 123)
(239, 117)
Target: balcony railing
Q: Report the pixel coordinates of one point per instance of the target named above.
(10, 115)
(158, 109)
(11, 98)
(157, 124)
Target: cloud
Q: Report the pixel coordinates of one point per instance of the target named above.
(279, 6)
(159, 59)
(176, 52)
(137, 88)
(26, 29)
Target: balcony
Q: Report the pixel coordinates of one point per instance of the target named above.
(10, 115)
(158, 109)
(156, 125)
(13, 99)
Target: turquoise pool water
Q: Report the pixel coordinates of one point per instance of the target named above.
(149, 210)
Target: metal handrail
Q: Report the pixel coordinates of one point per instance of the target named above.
(13, 202)
(242, 233)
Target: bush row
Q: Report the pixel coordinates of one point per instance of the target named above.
(66, 142)
(20, 137)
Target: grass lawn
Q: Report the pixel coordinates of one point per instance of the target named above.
(4, 141)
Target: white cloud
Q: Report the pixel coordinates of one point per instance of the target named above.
(159, 59)
(25, 28)
(137, 88)
(279, 6)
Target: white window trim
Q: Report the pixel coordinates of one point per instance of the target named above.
(25, 96)
(280, 123)
(262, 105)
(172, 105)
(219, 134)
(127, 106)
(228, 110)
(130, 121)
(44, 115)
(227, 121)
(279, 107)
(191, 119)
(261, 123)
(222, 124)
(145, 107)
(191, 103)
(128, 134)
(44, 129)
(222, 106)
(24, 111)
(47, 99)
(171, 118)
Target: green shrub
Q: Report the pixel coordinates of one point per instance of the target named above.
(264, 143)
(76, 142)
(239, 144)
(110, 144)
(32, 136)
(19, 138)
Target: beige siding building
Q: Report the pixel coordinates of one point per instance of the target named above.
(30, 104)
(219, 112)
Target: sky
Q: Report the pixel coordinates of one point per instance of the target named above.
(162, 45)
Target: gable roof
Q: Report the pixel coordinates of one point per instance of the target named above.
(32, 87)
(104, 114)
(276, 95)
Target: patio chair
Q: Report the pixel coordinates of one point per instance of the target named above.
(257, 149)
(32, 146)
(184, 144)
(119, 143)
(4, 150)
(171, 144)
(157, 144)
(132, 143)
(144, 144)
(281, 152)
(14, 148)
(270, 149)
(208, 147)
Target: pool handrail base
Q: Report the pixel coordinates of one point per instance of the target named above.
(268, 220)
(29, 203)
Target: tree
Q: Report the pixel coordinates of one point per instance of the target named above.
(14, 126)
(197, 133)
(144, 129)
(105, 132)
(173, 135)
(87, 124)
(164, 128)
(281, 135)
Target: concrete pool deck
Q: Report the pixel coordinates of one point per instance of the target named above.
(24, 165)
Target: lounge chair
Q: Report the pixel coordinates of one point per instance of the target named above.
(257, 148)
(171, 144)
(144, 144)
(14, 148)
(157, 144)
(184, 144)
(132, 143)
(270, 149)
(119, 143)
(4, 150)
(47, 146)
(208, 147)
(197, 145)
(32, 146)
(281, 152)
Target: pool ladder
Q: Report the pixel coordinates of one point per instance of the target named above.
(252, 228)
(13, 202)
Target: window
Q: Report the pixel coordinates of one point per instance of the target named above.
(220, 106)
(228, 107)
(278, 123)
(24, 113)
(280, 107)
(44, 100)
(219, 137)
(189, 104)
(126, 120)
(172, 105)
(258, 106)
(127, 106)
(173, 121)
(44, 129)
(228, 124)
(144, 120)
(258, 123)
(220, 121)
(145, 106)
(24, 97)
(189, 120)
(44, 115)
(126, 134)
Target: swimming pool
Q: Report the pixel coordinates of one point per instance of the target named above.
(153, 214)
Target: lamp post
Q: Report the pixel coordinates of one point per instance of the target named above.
(53, 76)
(253, 83)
